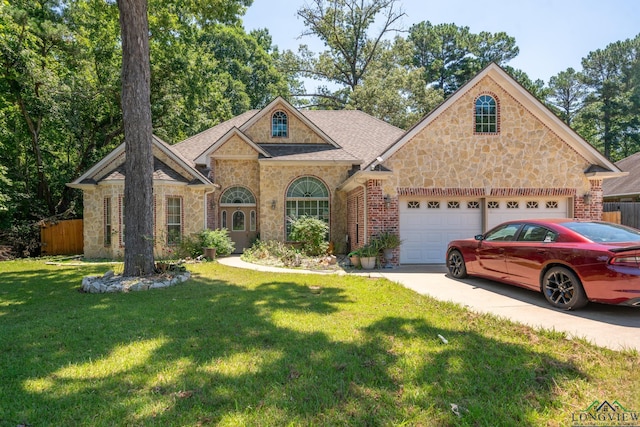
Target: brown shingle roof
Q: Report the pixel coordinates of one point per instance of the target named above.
(361, 138)
(362, 135)
(161, 171)
(625, 185)
(193, 146)
(302, 152)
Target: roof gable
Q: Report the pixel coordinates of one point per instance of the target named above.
(168, 166)
(515, 91)
(234, 144)
(301, 130)
(192, 147)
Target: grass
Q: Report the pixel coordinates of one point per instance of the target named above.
(236, 347)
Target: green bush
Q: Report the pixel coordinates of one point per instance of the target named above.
(23, 237)
(192, 246)
(311, 233)
(218, 239)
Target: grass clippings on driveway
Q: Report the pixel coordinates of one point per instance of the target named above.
(237, 347)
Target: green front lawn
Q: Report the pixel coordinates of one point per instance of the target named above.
(237, 347)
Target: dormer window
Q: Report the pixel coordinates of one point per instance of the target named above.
(486, 114)
(279, 125)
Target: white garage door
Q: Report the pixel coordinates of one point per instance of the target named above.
(501, 210)
(427, 226)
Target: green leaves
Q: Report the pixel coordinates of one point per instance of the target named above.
(602, 101)
(60, 85)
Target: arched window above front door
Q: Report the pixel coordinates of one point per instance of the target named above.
(238, 196)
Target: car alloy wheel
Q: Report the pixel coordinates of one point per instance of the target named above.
(562, 288)
(455, 264)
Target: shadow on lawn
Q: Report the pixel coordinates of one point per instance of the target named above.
(215, 350)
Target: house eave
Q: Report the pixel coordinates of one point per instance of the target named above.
(610, 196)
(606, 175)
(309, 162)
(360, 178)
(81, 186)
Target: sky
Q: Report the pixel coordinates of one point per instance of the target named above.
(552, 35)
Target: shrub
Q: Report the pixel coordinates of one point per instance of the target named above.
(190, 247)
(388, 240)
(218, 239)
(310, 232)
(23, 237)
(193, 245)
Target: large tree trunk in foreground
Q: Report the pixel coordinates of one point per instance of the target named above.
(136, 115)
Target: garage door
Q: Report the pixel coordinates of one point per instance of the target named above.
(501, 210)
(427, 226)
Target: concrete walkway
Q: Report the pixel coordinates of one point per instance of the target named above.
(607, 326)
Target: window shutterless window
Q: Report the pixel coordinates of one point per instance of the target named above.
(174, 220)
(486, 115)
(307, 196)
(107, 221)
(279, 125)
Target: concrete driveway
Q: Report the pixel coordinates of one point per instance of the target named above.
(608, 326)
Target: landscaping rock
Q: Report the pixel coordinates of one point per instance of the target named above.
(111, 283)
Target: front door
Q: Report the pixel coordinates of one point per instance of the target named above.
(241, 223)
(238, 215)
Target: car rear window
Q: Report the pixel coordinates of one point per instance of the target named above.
(604, 233)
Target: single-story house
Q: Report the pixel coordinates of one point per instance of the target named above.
(491, 152)
(626, 188)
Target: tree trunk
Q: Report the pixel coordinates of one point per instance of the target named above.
(136, 117)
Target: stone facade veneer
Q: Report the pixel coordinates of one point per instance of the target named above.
(94, 211)
(447, 153)
(443, 156)
(299, 132)
(275, 179)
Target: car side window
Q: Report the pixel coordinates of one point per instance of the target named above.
(505, 233)
(536, 233)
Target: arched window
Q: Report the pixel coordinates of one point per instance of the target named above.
(232, 200)
(486, 114)
(307, 196)
(279, 125)
(237, 196)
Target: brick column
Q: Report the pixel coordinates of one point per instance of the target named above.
(590, 207)
(382, 215)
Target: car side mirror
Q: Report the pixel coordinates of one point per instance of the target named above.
(478, 237)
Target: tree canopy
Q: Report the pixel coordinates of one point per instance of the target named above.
(60, 109)
(60, 81)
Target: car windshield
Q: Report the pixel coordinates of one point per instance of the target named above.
(604, 232)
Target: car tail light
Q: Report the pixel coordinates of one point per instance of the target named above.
(626, 260)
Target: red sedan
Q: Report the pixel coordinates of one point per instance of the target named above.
(571, 262)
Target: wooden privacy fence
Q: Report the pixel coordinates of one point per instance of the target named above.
(614, 217)
(629, 212)
(62, 238)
